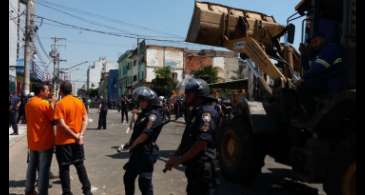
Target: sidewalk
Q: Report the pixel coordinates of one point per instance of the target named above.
(15, 138)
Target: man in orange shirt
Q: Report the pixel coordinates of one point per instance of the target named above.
(40, 137)
(71, 117)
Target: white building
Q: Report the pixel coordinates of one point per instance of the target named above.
(162, 56)
(96, 69)
(13, 38)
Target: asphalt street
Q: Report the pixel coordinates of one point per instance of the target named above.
(105, 166)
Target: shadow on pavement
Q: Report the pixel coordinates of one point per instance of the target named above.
(14, 183)
(94, 128)
(122, 155)
(164, 156)
(276, 183)
(57, 182)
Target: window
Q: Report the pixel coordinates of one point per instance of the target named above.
(135, 78)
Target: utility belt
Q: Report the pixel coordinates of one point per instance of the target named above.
(205, 167)
(151, 147)
(147, 148)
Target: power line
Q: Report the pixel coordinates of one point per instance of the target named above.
(99, 24)
(17, 16)
(83, 19)
(105, 32)
(42, 47)
(92, 42)
(105, 18)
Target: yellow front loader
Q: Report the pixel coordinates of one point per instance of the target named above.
(320, 151)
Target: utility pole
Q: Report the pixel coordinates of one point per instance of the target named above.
(29, 29)
(56, 63)
(87, 79)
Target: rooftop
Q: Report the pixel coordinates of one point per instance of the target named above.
(183, 45)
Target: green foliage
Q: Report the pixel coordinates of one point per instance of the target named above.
(163, 72)
(208, 73)
(92, 92)
(163, 84)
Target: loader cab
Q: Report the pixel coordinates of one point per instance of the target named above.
(337, 18)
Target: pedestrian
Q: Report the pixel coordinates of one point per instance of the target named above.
(85, 101)
(21, 111)
(142, 145)
(103, 111)
(14, 103)
(40, 137)
(197, 150)
(124, 108)
(71, 117)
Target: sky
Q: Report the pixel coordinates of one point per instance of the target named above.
(167, 19)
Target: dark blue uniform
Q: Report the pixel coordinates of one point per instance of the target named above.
(202, 171)
(13, 101)
(327, 72)
(326, 76)
(103, 114)
(143, 156)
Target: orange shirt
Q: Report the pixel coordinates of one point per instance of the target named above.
(38, 113)
(71, 110)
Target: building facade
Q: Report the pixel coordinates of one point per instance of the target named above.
(138, 66)
(13, 42)
(226, 62)
(95, 71)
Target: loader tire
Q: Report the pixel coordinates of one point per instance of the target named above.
(240, 161)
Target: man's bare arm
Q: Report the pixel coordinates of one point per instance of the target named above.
(198, 147)
(84, 124)
(67, 129)
(140, 139)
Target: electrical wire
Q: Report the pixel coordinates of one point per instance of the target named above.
(84, 20)
(105, 32)
(105, 18)
(42, 47)
(99, 24)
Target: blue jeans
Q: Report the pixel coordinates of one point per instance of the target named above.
(40, 160)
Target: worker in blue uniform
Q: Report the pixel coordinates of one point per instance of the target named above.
(197, 150)
(142, 144)
(326, 75)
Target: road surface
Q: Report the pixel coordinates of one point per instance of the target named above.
(104, 165)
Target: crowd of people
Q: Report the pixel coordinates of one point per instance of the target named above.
(59, 125)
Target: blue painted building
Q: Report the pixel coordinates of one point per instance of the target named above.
(112, 84)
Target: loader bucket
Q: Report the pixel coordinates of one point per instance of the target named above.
(211, 22)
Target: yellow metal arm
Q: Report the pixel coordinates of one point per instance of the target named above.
(254, 51)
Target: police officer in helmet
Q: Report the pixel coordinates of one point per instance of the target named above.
(142, 147)
(197, 150)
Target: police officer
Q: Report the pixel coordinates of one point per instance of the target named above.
(197, 150)
(142, 145)
(103, 111)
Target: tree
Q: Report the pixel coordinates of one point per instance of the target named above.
(163, 84)
(92, 92)
(207, 73)
(163, 72)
